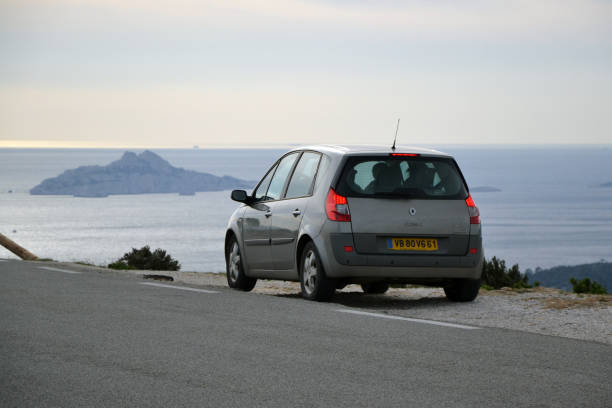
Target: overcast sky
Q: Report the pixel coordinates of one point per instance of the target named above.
(141, 73)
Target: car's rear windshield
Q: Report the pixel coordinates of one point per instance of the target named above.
(402, 177)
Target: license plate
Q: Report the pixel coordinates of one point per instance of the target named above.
(413, 244)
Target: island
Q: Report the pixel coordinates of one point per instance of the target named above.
(485, 189)
(144, 173)
(606, 185)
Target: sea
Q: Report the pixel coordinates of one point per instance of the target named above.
(551, 209)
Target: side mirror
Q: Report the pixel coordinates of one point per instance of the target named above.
(240, 196)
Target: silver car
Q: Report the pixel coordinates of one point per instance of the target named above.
(327, 216)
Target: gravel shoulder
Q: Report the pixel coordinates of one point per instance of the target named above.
(540, 310)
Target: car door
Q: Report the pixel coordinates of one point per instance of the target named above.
(288, 213)
(256, 227)
(258, 217)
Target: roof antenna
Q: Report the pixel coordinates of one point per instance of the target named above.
(395, 138)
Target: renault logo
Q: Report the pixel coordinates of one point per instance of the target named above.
(412, 211)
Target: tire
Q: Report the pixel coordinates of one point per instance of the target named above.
(315, 285)
(462, 290)
(375, 288)
(234, 268)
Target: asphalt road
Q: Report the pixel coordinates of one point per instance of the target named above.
(106, 339)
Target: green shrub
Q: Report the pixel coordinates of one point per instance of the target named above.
(120, 264)
(143, 258)
(496, 275)
(586, 286)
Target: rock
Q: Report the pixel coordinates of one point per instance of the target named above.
(144, 173)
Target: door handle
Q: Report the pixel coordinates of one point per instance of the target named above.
(296, 212)
(268, 214)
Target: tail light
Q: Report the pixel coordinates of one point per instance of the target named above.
(474, 213)
(336, 207)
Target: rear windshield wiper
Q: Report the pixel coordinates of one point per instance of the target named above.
(388, 195)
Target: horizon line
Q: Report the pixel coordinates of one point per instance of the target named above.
(294, 145)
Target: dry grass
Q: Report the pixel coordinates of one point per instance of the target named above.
(510, 291)
(587, 301)
(551, 298)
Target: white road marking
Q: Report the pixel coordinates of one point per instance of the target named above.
(57, 269)
(161, 285)
(408, 319)
(3, 260)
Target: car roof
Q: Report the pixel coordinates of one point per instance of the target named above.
(370, 149)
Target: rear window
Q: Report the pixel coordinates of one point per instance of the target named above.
(404, 177)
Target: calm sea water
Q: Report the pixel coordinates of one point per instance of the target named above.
(550, 211)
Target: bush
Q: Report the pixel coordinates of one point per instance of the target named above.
(586, 286)
(143, 258)
(496, 275)
(120, 264)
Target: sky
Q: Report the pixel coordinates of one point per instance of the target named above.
(234, 73)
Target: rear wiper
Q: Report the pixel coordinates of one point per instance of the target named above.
(403, 193)
(396, 195)
(417, 192)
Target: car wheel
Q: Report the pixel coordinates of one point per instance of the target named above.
(234, 268)
(374, 288)
(462, 290)
(315, 285)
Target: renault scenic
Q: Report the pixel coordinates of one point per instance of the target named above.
(328, 216)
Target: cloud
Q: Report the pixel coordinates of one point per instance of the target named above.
(161, 73)
(517, 18)
(451, 108)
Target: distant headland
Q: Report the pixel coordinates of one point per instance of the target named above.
(144, 173)
(485, 189)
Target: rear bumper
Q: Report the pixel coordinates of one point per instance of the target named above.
(414, 273)
(341, 264)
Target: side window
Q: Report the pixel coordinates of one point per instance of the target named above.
(363, 175)
(446, 180)
(323, 166)
(260, 193)
(303, 176)
(280, 176)
(405, 169)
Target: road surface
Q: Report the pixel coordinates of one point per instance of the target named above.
(100, 339)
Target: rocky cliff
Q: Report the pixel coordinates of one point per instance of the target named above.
(143, 173)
